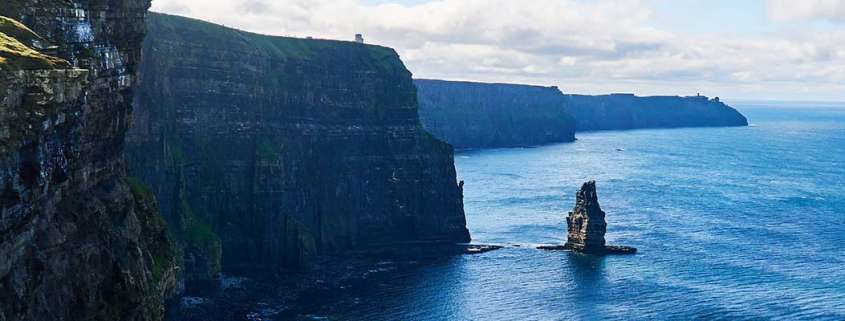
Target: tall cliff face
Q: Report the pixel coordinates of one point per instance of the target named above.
(623, 111)
(276, 149)
(479, 115)
(77, 240)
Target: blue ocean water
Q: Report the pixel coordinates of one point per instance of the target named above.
(731, 224)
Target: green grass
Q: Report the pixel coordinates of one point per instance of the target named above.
(276, 47)
(15, 52)
(161, 251)
(139, 190)
(177, 155)
(17, 30)
(267, 151)
(196, 231)
(199, 234)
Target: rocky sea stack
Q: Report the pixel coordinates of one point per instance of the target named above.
(586, 226)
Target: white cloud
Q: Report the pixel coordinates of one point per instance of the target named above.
(796, 10)
(581, 46)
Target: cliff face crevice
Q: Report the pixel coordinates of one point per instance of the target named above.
(479, 115)
(284, 148)
(77, 242)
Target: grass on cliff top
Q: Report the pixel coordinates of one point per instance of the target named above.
(14, 53)
(284, 48)
(17, 30)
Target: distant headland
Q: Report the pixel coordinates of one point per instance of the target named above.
(488, 115)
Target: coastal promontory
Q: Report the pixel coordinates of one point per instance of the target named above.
(627, 111)
(491, 115)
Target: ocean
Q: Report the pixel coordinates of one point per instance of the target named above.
(731, 224)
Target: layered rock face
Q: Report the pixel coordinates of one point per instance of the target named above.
(479, 115)
(273, 150)
(78, 241)
(625, 111)
(586, 224)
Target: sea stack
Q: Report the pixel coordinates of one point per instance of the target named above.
(586, 225)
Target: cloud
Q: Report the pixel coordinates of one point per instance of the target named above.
(255, 7)
(173, 7)
(795, 10)
(581, 46)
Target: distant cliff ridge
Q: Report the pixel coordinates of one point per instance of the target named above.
(270, 150)
(480, 115)
(626, 111)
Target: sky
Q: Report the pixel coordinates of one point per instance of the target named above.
(787, 50)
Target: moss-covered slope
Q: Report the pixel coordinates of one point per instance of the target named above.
(16, 51)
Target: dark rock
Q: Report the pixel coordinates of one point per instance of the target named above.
(613, 249)
(586, 226)
(480, 115)
(268, 151)
(552, 247)
(78, 240)
(481, 248)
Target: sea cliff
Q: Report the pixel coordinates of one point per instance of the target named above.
(267, 151)
(481, 115)
(78, 239)
(487, 115)
(627, 111)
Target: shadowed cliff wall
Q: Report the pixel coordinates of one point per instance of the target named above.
(78, 240)
(480, 115)
(273, 150)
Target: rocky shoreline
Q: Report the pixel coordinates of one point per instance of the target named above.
(608, 250)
